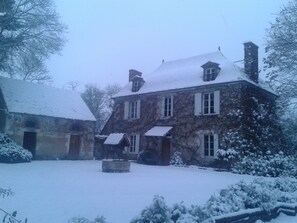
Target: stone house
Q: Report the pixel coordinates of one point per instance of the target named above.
(51, 123)
(185, 105)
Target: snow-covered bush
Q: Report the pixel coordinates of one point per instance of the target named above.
(10, 152)
(98, 219)
(270, 165)
(4, 139)
(260, 193)
(197, 214)
(157, 212)
(177, 210)
(227, 157)
(177, 159)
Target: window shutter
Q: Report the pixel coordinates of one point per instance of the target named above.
(126, 110)
(198, 105)
(138, 109)
(137, 143)
(171, 106)
(163, 107)
(217, 102)
(216, 144)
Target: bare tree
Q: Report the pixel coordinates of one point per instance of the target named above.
(281, 50)
(110, 91)
(100, 102)
(30, 31)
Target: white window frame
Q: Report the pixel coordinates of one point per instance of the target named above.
(210, 144)
(210, 74)
(208, 103)
(167, 103)
(132, 109)
(200, 104)
(134, 141)
(135, 86)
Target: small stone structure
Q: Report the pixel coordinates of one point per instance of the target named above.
(116, 144)
(115, 166)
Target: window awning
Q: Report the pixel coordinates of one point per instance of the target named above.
(158, 131)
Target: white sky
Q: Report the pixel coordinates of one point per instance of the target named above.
(106, 38)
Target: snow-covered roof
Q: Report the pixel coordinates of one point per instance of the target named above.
(185, 73)
(158, 131)
(114, 139)
(36, 99)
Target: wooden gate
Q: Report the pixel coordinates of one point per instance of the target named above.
(74, 147)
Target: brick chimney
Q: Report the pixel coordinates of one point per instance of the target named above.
(133, 73)
(251, 61)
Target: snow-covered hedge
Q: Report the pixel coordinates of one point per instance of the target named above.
(270, 165)
(261, 193)
(10, 152)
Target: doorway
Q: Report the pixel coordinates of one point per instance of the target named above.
(74, 147)
(165, 155)
(29, 142)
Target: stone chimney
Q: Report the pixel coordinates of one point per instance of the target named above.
(251, 61)
(133, 73)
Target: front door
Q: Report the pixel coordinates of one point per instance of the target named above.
(29, 142)
(165, 156)
(74, 147)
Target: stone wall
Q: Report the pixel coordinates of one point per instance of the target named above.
(187, 126)
(53, 135)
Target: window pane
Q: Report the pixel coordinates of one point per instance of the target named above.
(133, 143)
(167, 106)
(133, 109)
(206, 103)
(211, 152)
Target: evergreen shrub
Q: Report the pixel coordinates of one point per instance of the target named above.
(176, 159)
(268, 165)
(10, 152)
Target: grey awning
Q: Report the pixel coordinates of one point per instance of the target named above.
(158, 131)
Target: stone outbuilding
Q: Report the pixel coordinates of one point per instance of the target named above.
(52, 123)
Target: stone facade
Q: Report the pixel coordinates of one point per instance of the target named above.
(199, 99)
(187, 134)
(51, 138)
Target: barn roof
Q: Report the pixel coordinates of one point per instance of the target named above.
(36, 99)
(185, 73)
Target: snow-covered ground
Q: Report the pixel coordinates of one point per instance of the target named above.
(56, 191)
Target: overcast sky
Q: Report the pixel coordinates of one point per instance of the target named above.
(106, 38)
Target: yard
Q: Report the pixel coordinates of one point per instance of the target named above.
(56, 191)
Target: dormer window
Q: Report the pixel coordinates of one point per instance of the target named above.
(210, 74)
(210, 71)
(136, 86)
(137, 83)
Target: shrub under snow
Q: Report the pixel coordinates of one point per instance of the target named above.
(260, 193)
(270, 165)
(10, 152)
(177, 159)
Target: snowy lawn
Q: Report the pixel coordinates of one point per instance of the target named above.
(56, 191)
